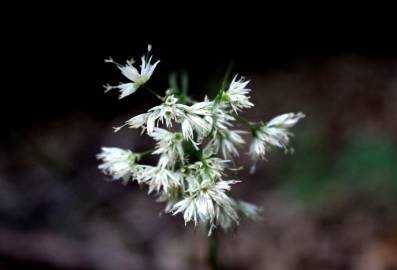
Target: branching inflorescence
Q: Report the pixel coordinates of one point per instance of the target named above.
(195, 142)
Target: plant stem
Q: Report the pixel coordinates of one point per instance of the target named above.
(213, 251)
(227, 75)
(145, 153)
(245, 121)
(154, 93)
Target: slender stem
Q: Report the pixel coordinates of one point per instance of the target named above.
(154, 93)
(187, 99)
(227, 75)
(219, 95)
(206, 169)
(145, 153)
(245, 121)
(185, 84)
(213, 251)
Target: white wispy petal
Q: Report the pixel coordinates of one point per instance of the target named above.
(130, 72)
(286, 120)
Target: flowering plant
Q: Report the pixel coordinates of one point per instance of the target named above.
(195, 142)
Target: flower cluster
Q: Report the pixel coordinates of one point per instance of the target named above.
(195, 143)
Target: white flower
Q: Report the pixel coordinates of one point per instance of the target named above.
(286, 120)
(237, 95)
(137, 78)
(200, 108)
(117, 162)
(169, 146)
(187, 129)
(208, 203)
(167, 112)
(211, 167)
(274, 133)
(257, 149)
(190, 117)
(197, 123)
(225, 140)
(138, 121)
(193, 118)
(219, 117)
(159, 179)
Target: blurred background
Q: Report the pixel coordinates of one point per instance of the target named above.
(330, 205)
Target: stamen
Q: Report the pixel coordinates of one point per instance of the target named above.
(116, 129)
(110, 60)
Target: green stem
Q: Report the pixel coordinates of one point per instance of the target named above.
(206, 170)
(187, 99)
(145, 153)
(154, 93)
(227, 75)
(249, 123)
(219, 95)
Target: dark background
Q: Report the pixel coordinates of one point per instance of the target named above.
(57, 54)
(331, 205)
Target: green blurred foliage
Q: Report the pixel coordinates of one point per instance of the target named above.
(365, 164)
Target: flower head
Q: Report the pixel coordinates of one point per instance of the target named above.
(169, 146)
(237, 95)
(274, 133)
(257, 149)
(130, 72)
(225, 141)
(117, 162)
(167, 112)
(286, 120)
(211, 167)
(194, 119)
(208, 203)
(159, 179)
(220, 118)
